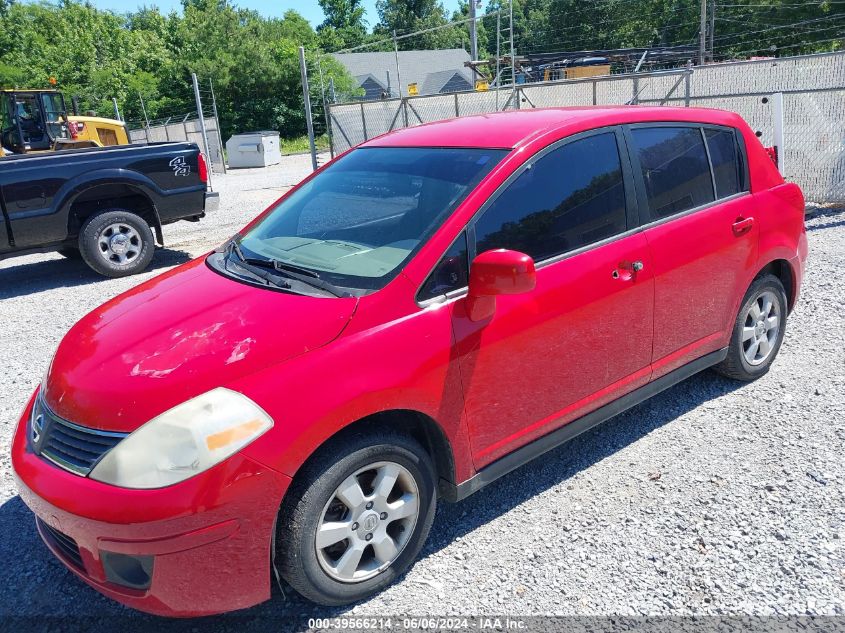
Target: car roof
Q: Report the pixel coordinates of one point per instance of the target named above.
(515, 127)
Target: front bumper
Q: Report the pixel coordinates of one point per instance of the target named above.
(205, 542)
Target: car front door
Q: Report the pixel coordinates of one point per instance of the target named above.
(700, 225)
(583, 336)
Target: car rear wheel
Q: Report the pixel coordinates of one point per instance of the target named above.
(758, 330)
(356, 518)
(116, 243)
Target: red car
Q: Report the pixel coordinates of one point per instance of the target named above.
(419, 317)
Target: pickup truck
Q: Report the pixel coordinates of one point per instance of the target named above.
(102, 204)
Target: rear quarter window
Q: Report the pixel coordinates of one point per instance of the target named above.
(726, 161)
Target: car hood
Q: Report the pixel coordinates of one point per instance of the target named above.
(177, 336)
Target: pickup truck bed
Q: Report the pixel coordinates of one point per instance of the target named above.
(53, 200)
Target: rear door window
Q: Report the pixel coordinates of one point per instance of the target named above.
(674, 167)
(570, 197)
(725, 160)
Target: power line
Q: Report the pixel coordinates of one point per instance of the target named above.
(620, 20)
(407, 35)
(743, 34)
(782, 26)
(788, 46)
(745, 41)
(817, 4)
(588, 38)
(693, 18)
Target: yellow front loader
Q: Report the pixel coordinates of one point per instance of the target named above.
(38, 121)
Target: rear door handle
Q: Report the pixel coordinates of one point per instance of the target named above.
(742, 225)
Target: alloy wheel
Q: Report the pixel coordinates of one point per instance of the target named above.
(367, 522)
(761, 327)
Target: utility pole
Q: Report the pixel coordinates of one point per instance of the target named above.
(396, 56)
(202, 123)
(513, 57)
(498, 54)
(473, 35)
(307, 98)
(712, 28)
(402, 104)
(146, 119)
(777, 104)
(702, 34)
(326, 108)
(144, 110)
(217, 123)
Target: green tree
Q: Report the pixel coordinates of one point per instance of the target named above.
(407, 16)
(344, 26)
(99, 55)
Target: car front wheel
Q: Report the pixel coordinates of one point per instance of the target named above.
(356, 518)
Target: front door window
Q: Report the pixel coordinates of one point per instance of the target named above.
(582, 336)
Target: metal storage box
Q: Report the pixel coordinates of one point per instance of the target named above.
(254, 149)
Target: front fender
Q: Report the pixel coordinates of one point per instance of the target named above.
(396, 366)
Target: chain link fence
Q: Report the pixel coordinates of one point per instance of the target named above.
(814, 108)
(184, 128)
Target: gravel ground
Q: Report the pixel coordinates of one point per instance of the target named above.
(712, 498)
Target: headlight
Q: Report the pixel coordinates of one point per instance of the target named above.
(184, 441)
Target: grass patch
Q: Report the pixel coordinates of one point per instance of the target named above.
(300, 145)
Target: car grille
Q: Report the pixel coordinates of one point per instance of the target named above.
(70, 446)
(66, 546)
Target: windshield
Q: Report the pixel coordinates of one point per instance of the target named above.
(357, 222)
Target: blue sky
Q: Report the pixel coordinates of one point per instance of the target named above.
(309, 8)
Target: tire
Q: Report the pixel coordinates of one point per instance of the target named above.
(116, 243)
(754, 344)
(70, 253)
(319, 574)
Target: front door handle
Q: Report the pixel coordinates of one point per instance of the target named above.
(742, 225)
(627, 271)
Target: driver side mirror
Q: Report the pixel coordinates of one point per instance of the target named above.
(497, 272)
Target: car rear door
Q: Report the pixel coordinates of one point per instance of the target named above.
(583, 336)
(699, 220)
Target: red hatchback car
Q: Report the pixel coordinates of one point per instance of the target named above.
(421, 316)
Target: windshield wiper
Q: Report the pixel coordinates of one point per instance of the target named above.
(290, 271)
(309, 277)
(257, 267)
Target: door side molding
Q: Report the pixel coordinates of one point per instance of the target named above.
(531, 451)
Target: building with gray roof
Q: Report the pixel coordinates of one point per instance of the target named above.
(434, 72)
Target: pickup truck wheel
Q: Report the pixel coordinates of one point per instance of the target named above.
(116, 243)
(758, 331)
(356, 518)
